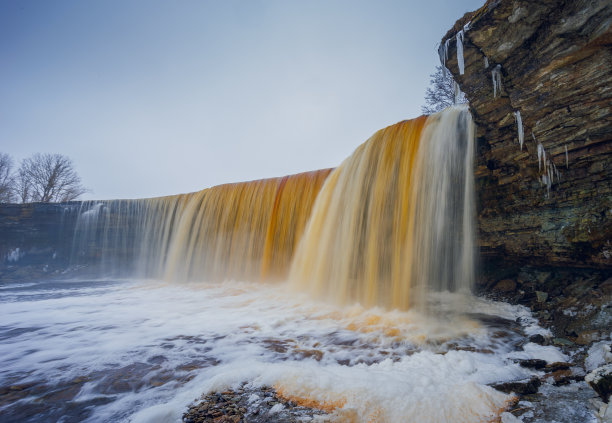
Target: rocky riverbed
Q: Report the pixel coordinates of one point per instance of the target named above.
(251, 405)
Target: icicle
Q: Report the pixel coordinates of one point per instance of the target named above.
(486, 62)
(443, 53)
(466, 27)
(519, 123)
(497, 84)
(550, 171)
(460, 62)
(458, 93)
(566, 158)
(546, 181)
(541, 153)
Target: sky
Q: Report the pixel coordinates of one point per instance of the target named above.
(152, 98)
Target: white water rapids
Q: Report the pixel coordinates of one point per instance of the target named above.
(142, 351)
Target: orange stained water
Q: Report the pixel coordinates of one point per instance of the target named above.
(242, 231)
(354, 247)
(394, 221)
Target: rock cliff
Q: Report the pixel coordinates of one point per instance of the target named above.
(549, 201)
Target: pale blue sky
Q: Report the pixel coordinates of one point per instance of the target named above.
(161, 97)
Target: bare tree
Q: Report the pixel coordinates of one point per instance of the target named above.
(21, 186)
(48, 178)
(442, 92)
(6, 178)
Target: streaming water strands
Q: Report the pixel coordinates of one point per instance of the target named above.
(244, 231)
(392, 222)
(395, 219)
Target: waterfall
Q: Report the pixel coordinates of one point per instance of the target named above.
(395, 220)
(392, 223)
(245, 231)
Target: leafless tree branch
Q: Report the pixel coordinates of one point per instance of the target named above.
(6, 178)
(441, 92)
(48, 178)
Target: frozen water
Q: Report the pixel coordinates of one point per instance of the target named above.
(496, 76)
(460, 62)
(519, 124)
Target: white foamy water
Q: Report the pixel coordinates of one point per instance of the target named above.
(144, 350)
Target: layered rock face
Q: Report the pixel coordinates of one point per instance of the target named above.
(549, 202)
(35, 238)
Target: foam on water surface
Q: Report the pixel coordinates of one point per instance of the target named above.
(143, 350)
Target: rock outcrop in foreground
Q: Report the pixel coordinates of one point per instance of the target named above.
(549, 202)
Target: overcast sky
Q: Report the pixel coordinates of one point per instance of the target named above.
(153, 98)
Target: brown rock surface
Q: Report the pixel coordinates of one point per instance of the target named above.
(555, 59)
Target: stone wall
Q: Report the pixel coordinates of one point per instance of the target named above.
(36, 236)
(555, 64)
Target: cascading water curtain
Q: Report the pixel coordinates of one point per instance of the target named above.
(395, 220)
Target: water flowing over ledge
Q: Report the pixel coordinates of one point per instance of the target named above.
(391, 223)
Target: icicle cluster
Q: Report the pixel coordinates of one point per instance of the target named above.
(443, 53)
(443, 50)
(550, 169)
(519, 124)
(496, 76)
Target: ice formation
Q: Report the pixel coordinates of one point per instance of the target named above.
(519, 123)
(14, 255)
(443, 53)
(443, 50)
(486, 62)
(460, 61)
(459, 95)
(541, 156)
(496, 76)
(598, 355)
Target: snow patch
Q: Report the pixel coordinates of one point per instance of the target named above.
(598, 355)
(276, 408)
(548, 353)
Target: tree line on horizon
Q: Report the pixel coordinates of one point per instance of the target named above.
(45, 178)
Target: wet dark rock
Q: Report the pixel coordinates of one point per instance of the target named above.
(600, 380)
(587, 337)
(558, 365)
(533, 363)
(563, 342)
(537, 339)
(522, 387)
(506, 285)
(556, 70)
(541, 296)
(563, 377)
(248, 404)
